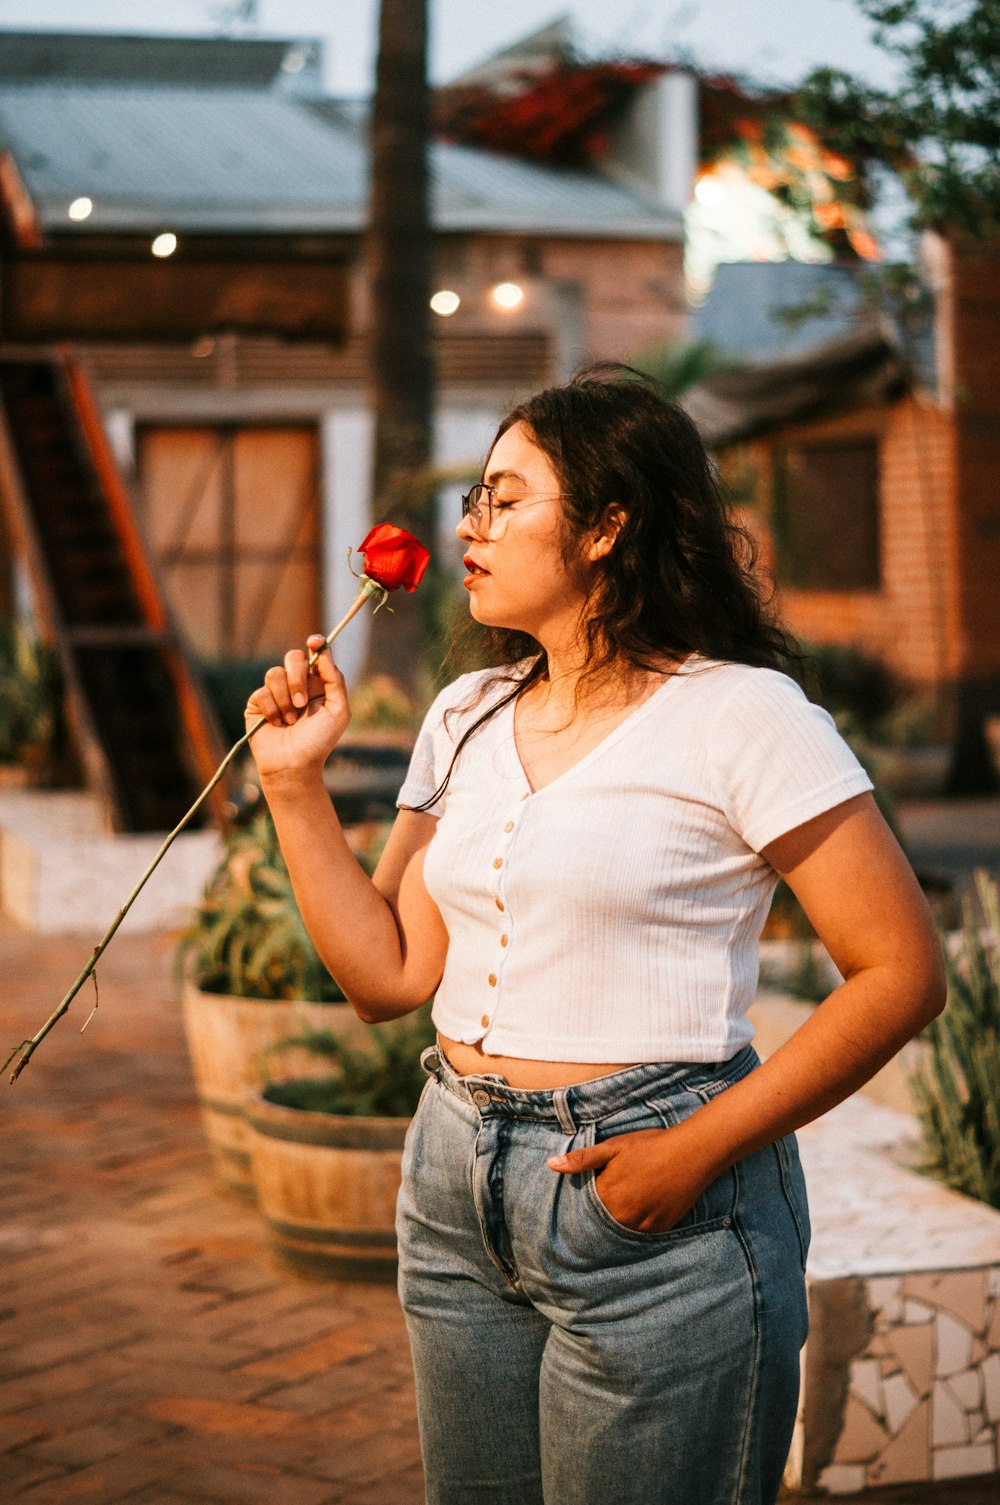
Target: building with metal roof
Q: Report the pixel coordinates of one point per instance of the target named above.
(191, 212)
(216, 136)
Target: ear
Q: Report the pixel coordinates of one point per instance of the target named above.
(603, 538)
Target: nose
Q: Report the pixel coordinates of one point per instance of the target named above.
(465, 530)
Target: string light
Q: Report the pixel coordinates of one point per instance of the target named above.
(165, 244)
(507, 295)
(81, 208)
(445, 302)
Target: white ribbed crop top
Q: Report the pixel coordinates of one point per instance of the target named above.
(614, 914)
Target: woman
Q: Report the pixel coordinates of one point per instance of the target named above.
(603, 1224)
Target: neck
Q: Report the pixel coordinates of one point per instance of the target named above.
(566, 668)
(566, 663)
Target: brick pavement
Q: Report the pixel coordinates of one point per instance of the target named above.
(151, 1350)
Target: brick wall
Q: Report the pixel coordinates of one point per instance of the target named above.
(968, 314)
(935, 620)
(909, 621)
(605, 299)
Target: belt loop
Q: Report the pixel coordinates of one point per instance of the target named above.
(430, 1060)
(562, 1109)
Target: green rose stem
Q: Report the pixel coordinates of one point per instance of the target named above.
(27, 1048)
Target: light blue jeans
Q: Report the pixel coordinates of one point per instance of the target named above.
(562, 1358)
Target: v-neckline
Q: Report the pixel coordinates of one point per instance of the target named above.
(607, 741)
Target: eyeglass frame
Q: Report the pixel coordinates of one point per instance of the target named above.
(472, 509)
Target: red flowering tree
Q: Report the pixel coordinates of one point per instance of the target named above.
(564, 116)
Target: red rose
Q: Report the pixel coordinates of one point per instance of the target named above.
(394, 558)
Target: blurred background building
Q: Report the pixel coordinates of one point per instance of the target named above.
(183, 281)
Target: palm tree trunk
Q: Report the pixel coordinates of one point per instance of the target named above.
(399, 255)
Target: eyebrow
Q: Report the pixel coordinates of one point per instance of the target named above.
(505, 475)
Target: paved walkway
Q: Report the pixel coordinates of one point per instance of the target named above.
(151, 1351)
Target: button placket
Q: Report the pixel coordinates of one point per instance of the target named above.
(499, 862)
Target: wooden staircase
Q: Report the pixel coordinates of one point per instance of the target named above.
(147, 738)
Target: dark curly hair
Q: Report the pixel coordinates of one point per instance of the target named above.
(681, 576)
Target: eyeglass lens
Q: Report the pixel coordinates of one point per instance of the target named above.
(477, 506)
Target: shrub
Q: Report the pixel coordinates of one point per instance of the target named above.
(958, 1092)
(855, 688)
(28, 694)
(384, 1080)
(247, 936)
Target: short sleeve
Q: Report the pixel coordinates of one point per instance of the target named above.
(778, 759)
(427, 766)
(435, 744)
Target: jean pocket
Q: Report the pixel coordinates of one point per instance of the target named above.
(793, 1186)
(713, 1209)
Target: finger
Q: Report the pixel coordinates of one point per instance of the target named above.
(263, 703)
(323, 663)
(276, 680)
(334, 683)
(587, 1159)
(296, 674)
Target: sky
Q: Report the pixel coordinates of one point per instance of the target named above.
(774, 41)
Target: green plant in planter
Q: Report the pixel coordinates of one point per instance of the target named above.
(380, 704)
(247, 936)
(28, 695)
(917, 721)
(384, 1081)
(958, 1092)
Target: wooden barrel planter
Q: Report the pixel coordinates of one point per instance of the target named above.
(326, 1186)
(228, 1040)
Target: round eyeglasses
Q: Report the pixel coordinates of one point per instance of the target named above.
(483, 508)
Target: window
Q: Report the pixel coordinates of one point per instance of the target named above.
(825, 515)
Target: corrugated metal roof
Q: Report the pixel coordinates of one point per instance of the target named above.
(779, 310)
(760, 309)
(861, 369)
(195, 159)
(201, 159)
(94, 56)
(481, 190)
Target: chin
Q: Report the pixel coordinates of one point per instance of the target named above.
(485, 619)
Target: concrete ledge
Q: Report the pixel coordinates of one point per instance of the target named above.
(61, 873)
(901, 1373)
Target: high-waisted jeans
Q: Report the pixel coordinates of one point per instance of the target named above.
(562, 1358)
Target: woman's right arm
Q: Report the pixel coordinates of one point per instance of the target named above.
(383, 939)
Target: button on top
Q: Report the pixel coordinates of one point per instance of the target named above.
(492, 979)
(503, 940)
(498, 903)
(498, 862)
(484, 1021)
(509, 826)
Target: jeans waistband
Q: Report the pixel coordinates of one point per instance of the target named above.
(587, 1102)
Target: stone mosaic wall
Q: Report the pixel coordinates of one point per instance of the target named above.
(923, 1394)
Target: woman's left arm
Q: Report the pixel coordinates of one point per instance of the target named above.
(847, 870)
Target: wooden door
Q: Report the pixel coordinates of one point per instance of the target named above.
(233, 517)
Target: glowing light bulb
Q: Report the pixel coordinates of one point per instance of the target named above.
(165, 244)
(445, 302)
(708, 190)
(507, 295)
(81, 208)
